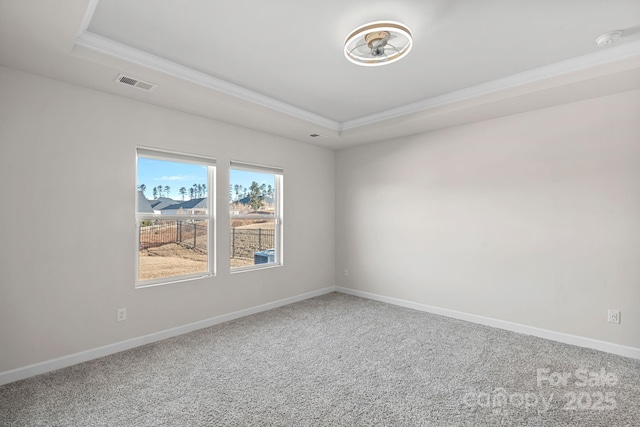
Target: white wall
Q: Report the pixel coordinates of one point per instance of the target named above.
(67, 237)
(532, 218)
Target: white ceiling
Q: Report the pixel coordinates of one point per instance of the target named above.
(277, 66)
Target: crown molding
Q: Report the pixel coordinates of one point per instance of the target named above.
(95, 42)
(88, 16)
(557, 69)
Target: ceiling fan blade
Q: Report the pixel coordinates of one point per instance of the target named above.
(362, 48)
(390, 46)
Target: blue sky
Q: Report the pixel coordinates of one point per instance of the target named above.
(153, 173)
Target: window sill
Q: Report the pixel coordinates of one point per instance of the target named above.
(255, 267)
(171, 281)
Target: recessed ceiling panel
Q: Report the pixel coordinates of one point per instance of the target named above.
(293, 51)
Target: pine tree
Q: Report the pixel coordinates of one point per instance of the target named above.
(255, 197)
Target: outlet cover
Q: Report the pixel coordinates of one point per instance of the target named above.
(121, 314)
(613, 316)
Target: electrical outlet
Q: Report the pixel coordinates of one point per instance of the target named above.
(346, 272)
(613, 316)
(121, 314)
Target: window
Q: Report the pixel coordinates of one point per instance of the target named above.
(174, 217)
(255, 212)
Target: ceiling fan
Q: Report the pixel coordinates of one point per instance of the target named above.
(378, 43)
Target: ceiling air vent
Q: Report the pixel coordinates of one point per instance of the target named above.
(131, 81)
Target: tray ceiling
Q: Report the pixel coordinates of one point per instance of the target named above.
(280, 68)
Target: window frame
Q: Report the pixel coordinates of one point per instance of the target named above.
(278, 174)
(179, 157)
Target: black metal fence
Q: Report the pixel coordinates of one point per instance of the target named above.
(193, 234)
(189, 233)
(246, 241)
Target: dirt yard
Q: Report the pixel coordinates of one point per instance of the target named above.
(176, 260)
(171, 260)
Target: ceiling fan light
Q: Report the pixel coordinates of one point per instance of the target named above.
(378, 43)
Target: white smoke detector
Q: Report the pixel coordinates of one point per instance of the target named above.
(607, 39)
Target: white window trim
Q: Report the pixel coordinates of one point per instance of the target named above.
(167, 155)
(279, 230)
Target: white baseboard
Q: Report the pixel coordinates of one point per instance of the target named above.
(576, 340)
(73, 359)
(83, 356)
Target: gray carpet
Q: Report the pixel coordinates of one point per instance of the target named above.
(336, 360)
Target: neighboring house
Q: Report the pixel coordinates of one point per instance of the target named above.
(162, 202)
(245, 200)
(241, 204)
(143, 204)
(189, 207)
(166, 206)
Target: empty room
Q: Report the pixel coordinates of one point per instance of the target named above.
(337, 213)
